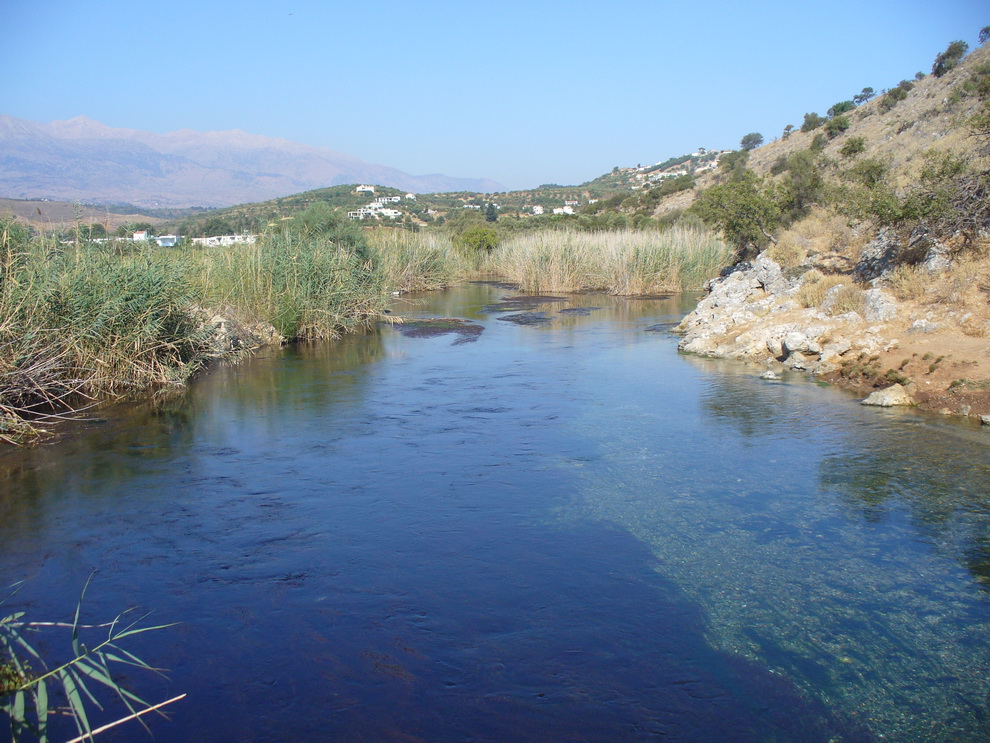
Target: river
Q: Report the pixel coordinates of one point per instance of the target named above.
(545, 524)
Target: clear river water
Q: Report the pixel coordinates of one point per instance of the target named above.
(542, 525)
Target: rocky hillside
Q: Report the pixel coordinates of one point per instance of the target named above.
(864, 246)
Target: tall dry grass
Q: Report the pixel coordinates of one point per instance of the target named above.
(415, 261)
(618, 262)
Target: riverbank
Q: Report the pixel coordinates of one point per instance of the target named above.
(84, 322)
(867, 340)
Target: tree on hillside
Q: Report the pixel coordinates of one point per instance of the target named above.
(948, 59)
(984, 34)
(840, 108)
(751, 141)
(863, 96)
(812, 121)
(787, 130)
(491, 212)
(743, 210)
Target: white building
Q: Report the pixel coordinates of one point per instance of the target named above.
(222, 240)
(364, 189)
(537, 209)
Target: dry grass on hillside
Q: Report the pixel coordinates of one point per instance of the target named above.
(46, 216)
(932, 116)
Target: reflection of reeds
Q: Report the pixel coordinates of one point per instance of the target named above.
(620, 262)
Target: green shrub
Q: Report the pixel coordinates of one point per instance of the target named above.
(836, 126)
(853, 147)
(477, 237)
(812, 121)
(840, 108)
(951, 57)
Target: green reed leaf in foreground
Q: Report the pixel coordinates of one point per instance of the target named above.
(26, 679)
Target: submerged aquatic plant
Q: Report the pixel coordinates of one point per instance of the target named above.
(32, 693)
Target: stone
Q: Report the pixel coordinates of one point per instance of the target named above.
(889, 397)
(767, 272)
(985, 420)
(879, 307)
(772, 375)
(923, 326)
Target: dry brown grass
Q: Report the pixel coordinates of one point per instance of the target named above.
(821, 232)
(814, 287)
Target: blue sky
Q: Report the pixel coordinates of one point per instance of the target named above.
(521, 92)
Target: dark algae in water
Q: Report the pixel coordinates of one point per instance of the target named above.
(466, 331)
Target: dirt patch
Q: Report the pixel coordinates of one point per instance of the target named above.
(950, 371)
(466, 331)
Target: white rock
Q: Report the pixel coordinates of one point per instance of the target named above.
(893, 395)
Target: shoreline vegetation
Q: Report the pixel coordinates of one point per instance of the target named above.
(85, 322)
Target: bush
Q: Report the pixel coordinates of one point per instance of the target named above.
(477, 237)
(836, 126)
(951, 57)
(853, 147)
(744, 210)
(812, 121)
(840, 108)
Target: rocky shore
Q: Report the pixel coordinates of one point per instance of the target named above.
(894, 353)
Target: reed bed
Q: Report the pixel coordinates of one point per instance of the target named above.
(82, 321)
(416, 261)
(309, 287)
(625, 263)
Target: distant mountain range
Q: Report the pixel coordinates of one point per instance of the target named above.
(84, 160)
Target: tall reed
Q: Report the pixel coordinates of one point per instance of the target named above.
(308, 287)
(618, 262)
(78, 321)
(413, 261)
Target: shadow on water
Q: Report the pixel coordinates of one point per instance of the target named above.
(536, 642)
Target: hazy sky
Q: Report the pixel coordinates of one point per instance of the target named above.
(521, 92)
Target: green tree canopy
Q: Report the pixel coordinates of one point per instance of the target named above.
(863, 96)
(751, 141)
(840, 108)
(948, 59)
(743, 210)
(812, 121)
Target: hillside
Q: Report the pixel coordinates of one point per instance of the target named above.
(863, 245)
(84, 160)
